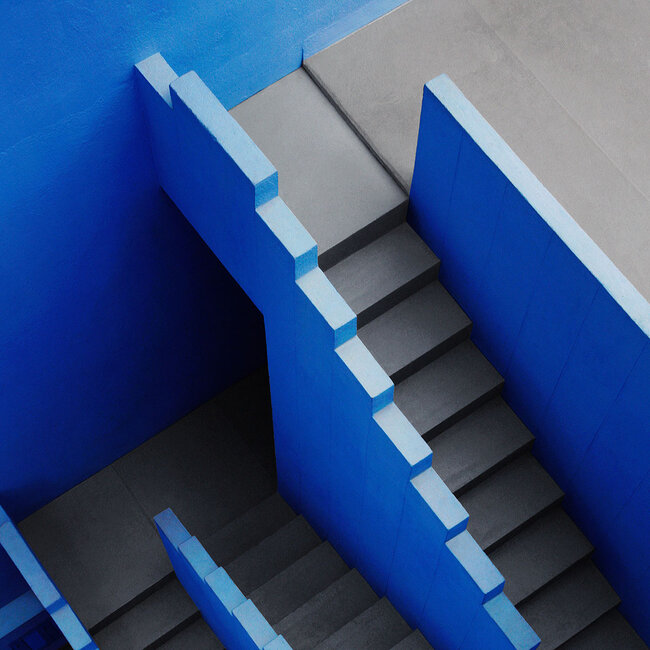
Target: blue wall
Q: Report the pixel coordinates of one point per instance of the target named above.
(566, 330)
(116, 318)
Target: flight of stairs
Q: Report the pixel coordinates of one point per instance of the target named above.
(298, 582)
(450, 393)
(443, 384)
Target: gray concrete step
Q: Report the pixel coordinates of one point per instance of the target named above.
(414, 641)
(539, 553)
(447, 389)
(272, 555)
(379, 627)
(196, 636)
(416, 331)
(326, 175)
(508, 499)
(479, 444)
(384, 272)
(294, 586)
(569, 604)
(610, 632)
(327, 612)
(249, 529)
(152, 620)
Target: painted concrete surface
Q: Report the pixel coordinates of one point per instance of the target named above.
(566, 87)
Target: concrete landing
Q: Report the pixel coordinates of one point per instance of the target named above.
(567, 86)
(327, 176)
(98, 541)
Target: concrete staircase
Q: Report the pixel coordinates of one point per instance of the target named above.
(443, 384)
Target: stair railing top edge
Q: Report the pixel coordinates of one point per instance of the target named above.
(542, 201)
(42, 585)
(330, 308)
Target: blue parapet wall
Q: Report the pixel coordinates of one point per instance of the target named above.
(232, 617)
(347, 458)
(42, 587)
(556, 318)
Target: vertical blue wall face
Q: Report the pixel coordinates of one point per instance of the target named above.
(547, 311)
(116, 318)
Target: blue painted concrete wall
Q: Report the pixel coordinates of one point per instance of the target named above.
(566, 330)
(347, 458)
(116, 318)
(231, 616)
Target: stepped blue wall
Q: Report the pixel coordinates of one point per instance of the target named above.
(116, 318)
(552, 313)
(346, 457)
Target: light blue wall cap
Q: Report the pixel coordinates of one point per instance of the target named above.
(199, 559)
(72, 629)
(225, 589)
(515, 627)
(330, 305)
(444, 505)
(279, 643)
(169, 525)
(282, 222)
(403, 435)
(208, 110)
(256, 626)
(367, 371)
(486, 577)
(157, 72)
(544, 203)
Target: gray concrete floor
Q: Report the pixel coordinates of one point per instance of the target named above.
(566, 83)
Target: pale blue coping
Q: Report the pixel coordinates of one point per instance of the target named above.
(544, 203)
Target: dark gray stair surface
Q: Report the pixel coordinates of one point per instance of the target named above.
(610, 632)
(327, 612)
(538, 553)
(272, 555)
(301, 581)
(414, 641)
(384, 272)
(151, 620)
(508, 499)
(249, 529)
(569, 604)
(415, 331)
(478, 444)
(327, 176)
(379, 627)
(196, 636)
(447, 389)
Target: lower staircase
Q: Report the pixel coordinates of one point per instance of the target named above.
(443, 384)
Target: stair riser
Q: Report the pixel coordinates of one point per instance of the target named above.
(173, 632)
(419, 363)
(363, 237)
(407, 289)
(430, 434)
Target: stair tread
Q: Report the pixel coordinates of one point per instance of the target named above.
(447, 389)
(504, 501)
(478, 443)
(569, 604)
(249, 529)
(151, 619)
(299, 582)
(414, 641)
(610, 631)
(539, 553)
(197, 636)
(272, 555)
(379, 627)
(419, 327)
(378, 275)
(326, 612)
